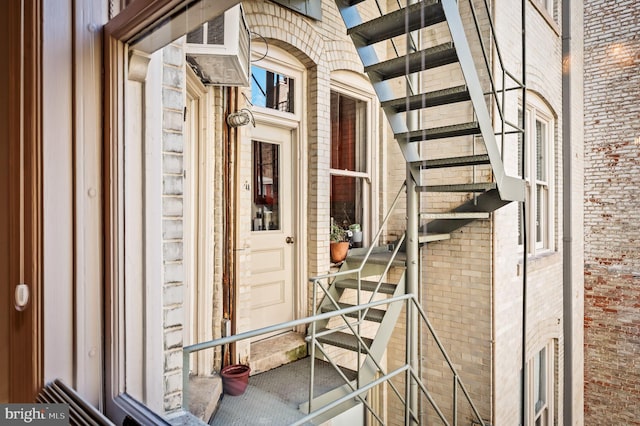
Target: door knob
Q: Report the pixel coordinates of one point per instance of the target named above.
(289, 240)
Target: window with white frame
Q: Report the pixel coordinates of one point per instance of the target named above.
(540, 387)
(537, 146)
(351, 168)
(548, 6)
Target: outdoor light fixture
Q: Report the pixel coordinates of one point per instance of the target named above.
(241, 118)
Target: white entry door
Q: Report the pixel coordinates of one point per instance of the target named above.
(272, 239)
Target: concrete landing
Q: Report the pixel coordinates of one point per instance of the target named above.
(273, 398)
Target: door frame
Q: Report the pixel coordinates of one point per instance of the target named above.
(279, 60)
(23, 190)
(291, 127)
(136, 18)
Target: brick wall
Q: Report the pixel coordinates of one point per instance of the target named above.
(173, 288)
(612, 206)
(544, 273)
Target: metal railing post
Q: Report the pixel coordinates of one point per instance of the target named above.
(455, 400)
(413, 278)
(185, 378)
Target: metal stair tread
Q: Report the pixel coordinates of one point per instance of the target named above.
(432, 237)
(343, 340)
(486, 202)
(420, 15)
(375, 315)
(469, 160)
(432, 57)
(427, 100)
(463, 187)
(455, 215)
(454, 130)
(381, 258)
(351, 283)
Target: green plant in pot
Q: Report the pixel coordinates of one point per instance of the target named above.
(339, 244)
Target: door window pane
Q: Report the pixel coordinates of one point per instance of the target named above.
(266, 182)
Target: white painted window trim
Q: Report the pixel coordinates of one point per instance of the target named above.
(281, 62)
(355, 86)
(546, 10)
(198, 240)
(549, 382)
(537, 110)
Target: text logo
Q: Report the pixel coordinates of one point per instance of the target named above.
(34, 414)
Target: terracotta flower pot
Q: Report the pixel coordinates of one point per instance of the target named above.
(235, 379)
(339, 251)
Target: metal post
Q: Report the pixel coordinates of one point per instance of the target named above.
(185, 379)
(314, 307)
(455, 400)
(413, 280)
(524, 216)
(413, 251)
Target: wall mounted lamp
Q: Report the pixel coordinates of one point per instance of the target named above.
(241, 118)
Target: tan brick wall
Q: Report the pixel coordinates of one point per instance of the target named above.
(544, 271)
(173, 290)
(612, 221)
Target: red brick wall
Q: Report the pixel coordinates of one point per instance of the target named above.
(612, 212)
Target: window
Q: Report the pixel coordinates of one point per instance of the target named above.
(310, 8)
(266, 183)
(537, 146)
(540, 387)
(272, 90)
(350, 179)
(548, 9)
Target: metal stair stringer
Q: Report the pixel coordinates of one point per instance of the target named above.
(510, 188)
(368, 56)
(369, 368)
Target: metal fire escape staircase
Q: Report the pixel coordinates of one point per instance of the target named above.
(365, 271)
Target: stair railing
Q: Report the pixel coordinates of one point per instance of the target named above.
(411, 303)
(317, 282)
(500, 101)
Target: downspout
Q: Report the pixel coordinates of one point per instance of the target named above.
(229, 273)
(525, 251)
(567, 233)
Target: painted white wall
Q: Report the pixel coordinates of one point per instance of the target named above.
(58, 192)
(72, 231)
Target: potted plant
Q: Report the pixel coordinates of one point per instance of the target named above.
(339, 244)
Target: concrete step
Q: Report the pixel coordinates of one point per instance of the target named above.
(275, 351)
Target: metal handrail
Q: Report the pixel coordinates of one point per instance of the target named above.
(371, 247)
(358, 271)
(411, 302)
(505, 73)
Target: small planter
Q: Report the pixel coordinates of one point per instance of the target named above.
(235, 379)
(339, 251)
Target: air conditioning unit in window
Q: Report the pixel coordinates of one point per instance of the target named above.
(219, 50)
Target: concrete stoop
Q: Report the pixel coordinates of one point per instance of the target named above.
(204, 395)
(275, 351)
